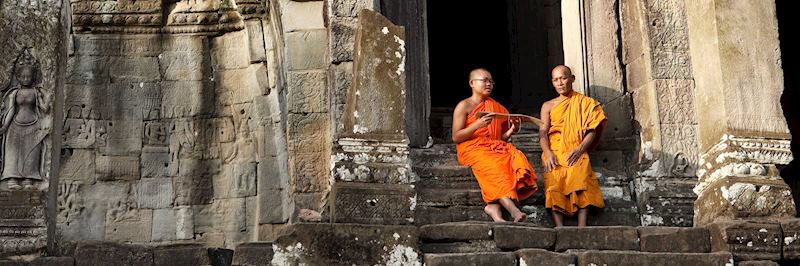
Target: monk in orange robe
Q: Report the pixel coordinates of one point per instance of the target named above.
(572, 123)
(503, 172)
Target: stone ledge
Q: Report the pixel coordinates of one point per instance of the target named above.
(517, 237)
(674, 239)
(253, 254)
(545, 258)
(455, 232)
(623, 258)
(487, 258)
(599, 238)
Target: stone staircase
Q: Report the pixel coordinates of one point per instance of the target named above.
(448, 192)
(483, 243)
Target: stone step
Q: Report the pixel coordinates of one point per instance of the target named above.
(442, 171)
(595, 257)
(470, 259)
(437, 215)
(624, 258)
(427, 196)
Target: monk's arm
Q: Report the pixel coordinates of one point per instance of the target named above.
(461, 132)
(550, 161)
(598, 134)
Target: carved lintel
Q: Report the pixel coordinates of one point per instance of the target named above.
(371, 161)
(741, 156)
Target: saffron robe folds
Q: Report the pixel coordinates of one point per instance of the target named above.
(501, 169)
(568, 188)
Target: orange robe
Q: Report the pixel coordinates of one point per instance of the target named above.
(501, 169)
(568, 188)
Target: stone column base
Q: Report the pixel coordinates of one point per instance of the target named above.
(740, 197)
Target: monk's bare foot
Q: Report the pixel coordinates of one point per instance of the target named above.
(519, 217)
(493, 210)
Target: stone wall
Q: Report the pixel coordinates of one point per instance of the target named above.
(658, 73)
(31, 73)
(174, 126)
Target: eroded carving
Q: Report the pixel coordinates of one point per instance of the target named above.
(25, 125)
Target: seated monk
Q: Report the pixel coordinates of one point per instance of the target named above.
(503, 172)
(572, 124)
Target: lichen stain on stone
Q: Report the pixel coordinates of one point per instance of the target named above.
(289, 256)
(402, 255)
(385, 30)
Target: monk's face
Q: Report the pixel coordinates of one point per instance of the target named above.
(482, 83)
(562, 80)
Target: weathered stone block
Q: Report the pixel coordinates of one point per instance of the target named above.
(78, 165)
(301, 15)
(140, 45)
(307, 133)
(530, 256)
(222, 215)
(345, 244)
(373, 203)
(665, 201)
(255, 32)
(600, 237)
(117, 168)
(154, 193)
(471, 246)
(191, 254)
(126, 224)
(747, 240)
(134, 69)
(88, 70)
(237, 85)
(342, 39)
(253, 253)
(237, 180)
(155, 165)
(186, 99)
(309, 172)
(164, 224)
(379, 85)
(307, 50)
(114, 138)
(308, 92)
(518, 237)
(79, 133)
(341, 79)
(41, 261)
(350, 8)
(92, 253)
(193, 190)
(184, 222)
(184, 65)
(275, 206)
(632, 258)
(455, 232)
(791, 232)
(227, 51)
(757, 263)
(99, 45)
(489, 258)
(674, 239)
(742, 197)
(94, 200)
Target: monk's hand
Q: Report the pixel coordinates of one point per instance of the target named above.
(550, 161)
(515, 124)
(485, 121)
(574, 155)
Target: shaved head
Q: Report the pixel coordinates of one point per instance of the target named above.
(562, 69)
(474, 73)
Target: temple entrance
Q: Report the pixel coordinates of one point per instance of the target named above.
(517, 41)
(791, 112)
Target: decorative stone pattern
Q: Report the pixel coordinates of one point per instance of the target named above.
(747, 240)
(371, 203)
(174, 130)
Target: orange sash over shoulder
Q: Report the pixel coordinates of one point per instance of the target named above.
(501, 169)
(570, 188)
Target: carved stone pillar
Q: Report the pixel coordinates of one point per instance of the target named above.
(659, 75)
(371, 168)
(31, 79)
(742, 132)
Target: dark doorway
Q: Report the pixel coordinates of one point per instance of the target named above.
(517, 41)
(789, 61)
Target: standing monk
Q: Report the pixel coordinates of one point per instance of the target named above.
(503, 172)
(572, 124)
